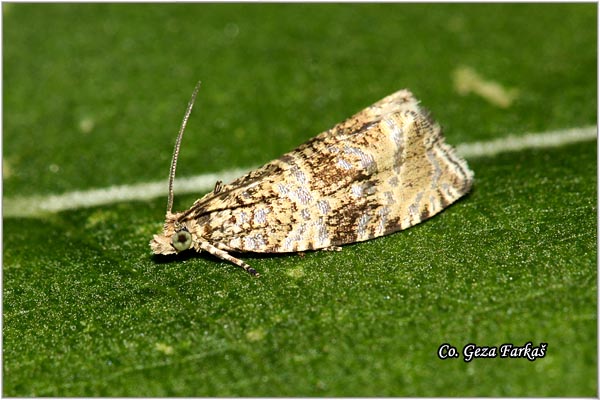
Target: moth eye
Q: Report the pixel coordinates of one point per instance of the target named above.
(182, 240)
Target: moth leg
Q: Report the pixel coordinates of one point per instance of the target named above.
(222, 246)
(332, 248)
(223, 255)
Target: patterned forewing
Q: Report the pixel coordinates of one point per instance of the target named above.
(384, 169)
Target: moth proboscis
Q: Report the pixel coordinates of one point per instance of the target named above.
(382, 170)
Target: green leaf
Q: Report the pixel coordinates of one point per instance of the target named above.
(93, 97)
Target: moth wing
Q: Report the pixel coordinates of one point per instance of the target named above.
(384, 169)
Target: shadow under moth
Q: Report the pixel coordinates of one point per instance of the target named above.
(382, 170)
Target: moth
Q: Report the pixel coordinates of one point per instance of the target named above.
(382, 170)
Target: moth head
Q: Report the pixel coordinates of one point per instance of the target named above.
(176, 237)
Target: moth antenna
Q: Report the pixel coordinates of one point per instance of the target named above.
(178, 144)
